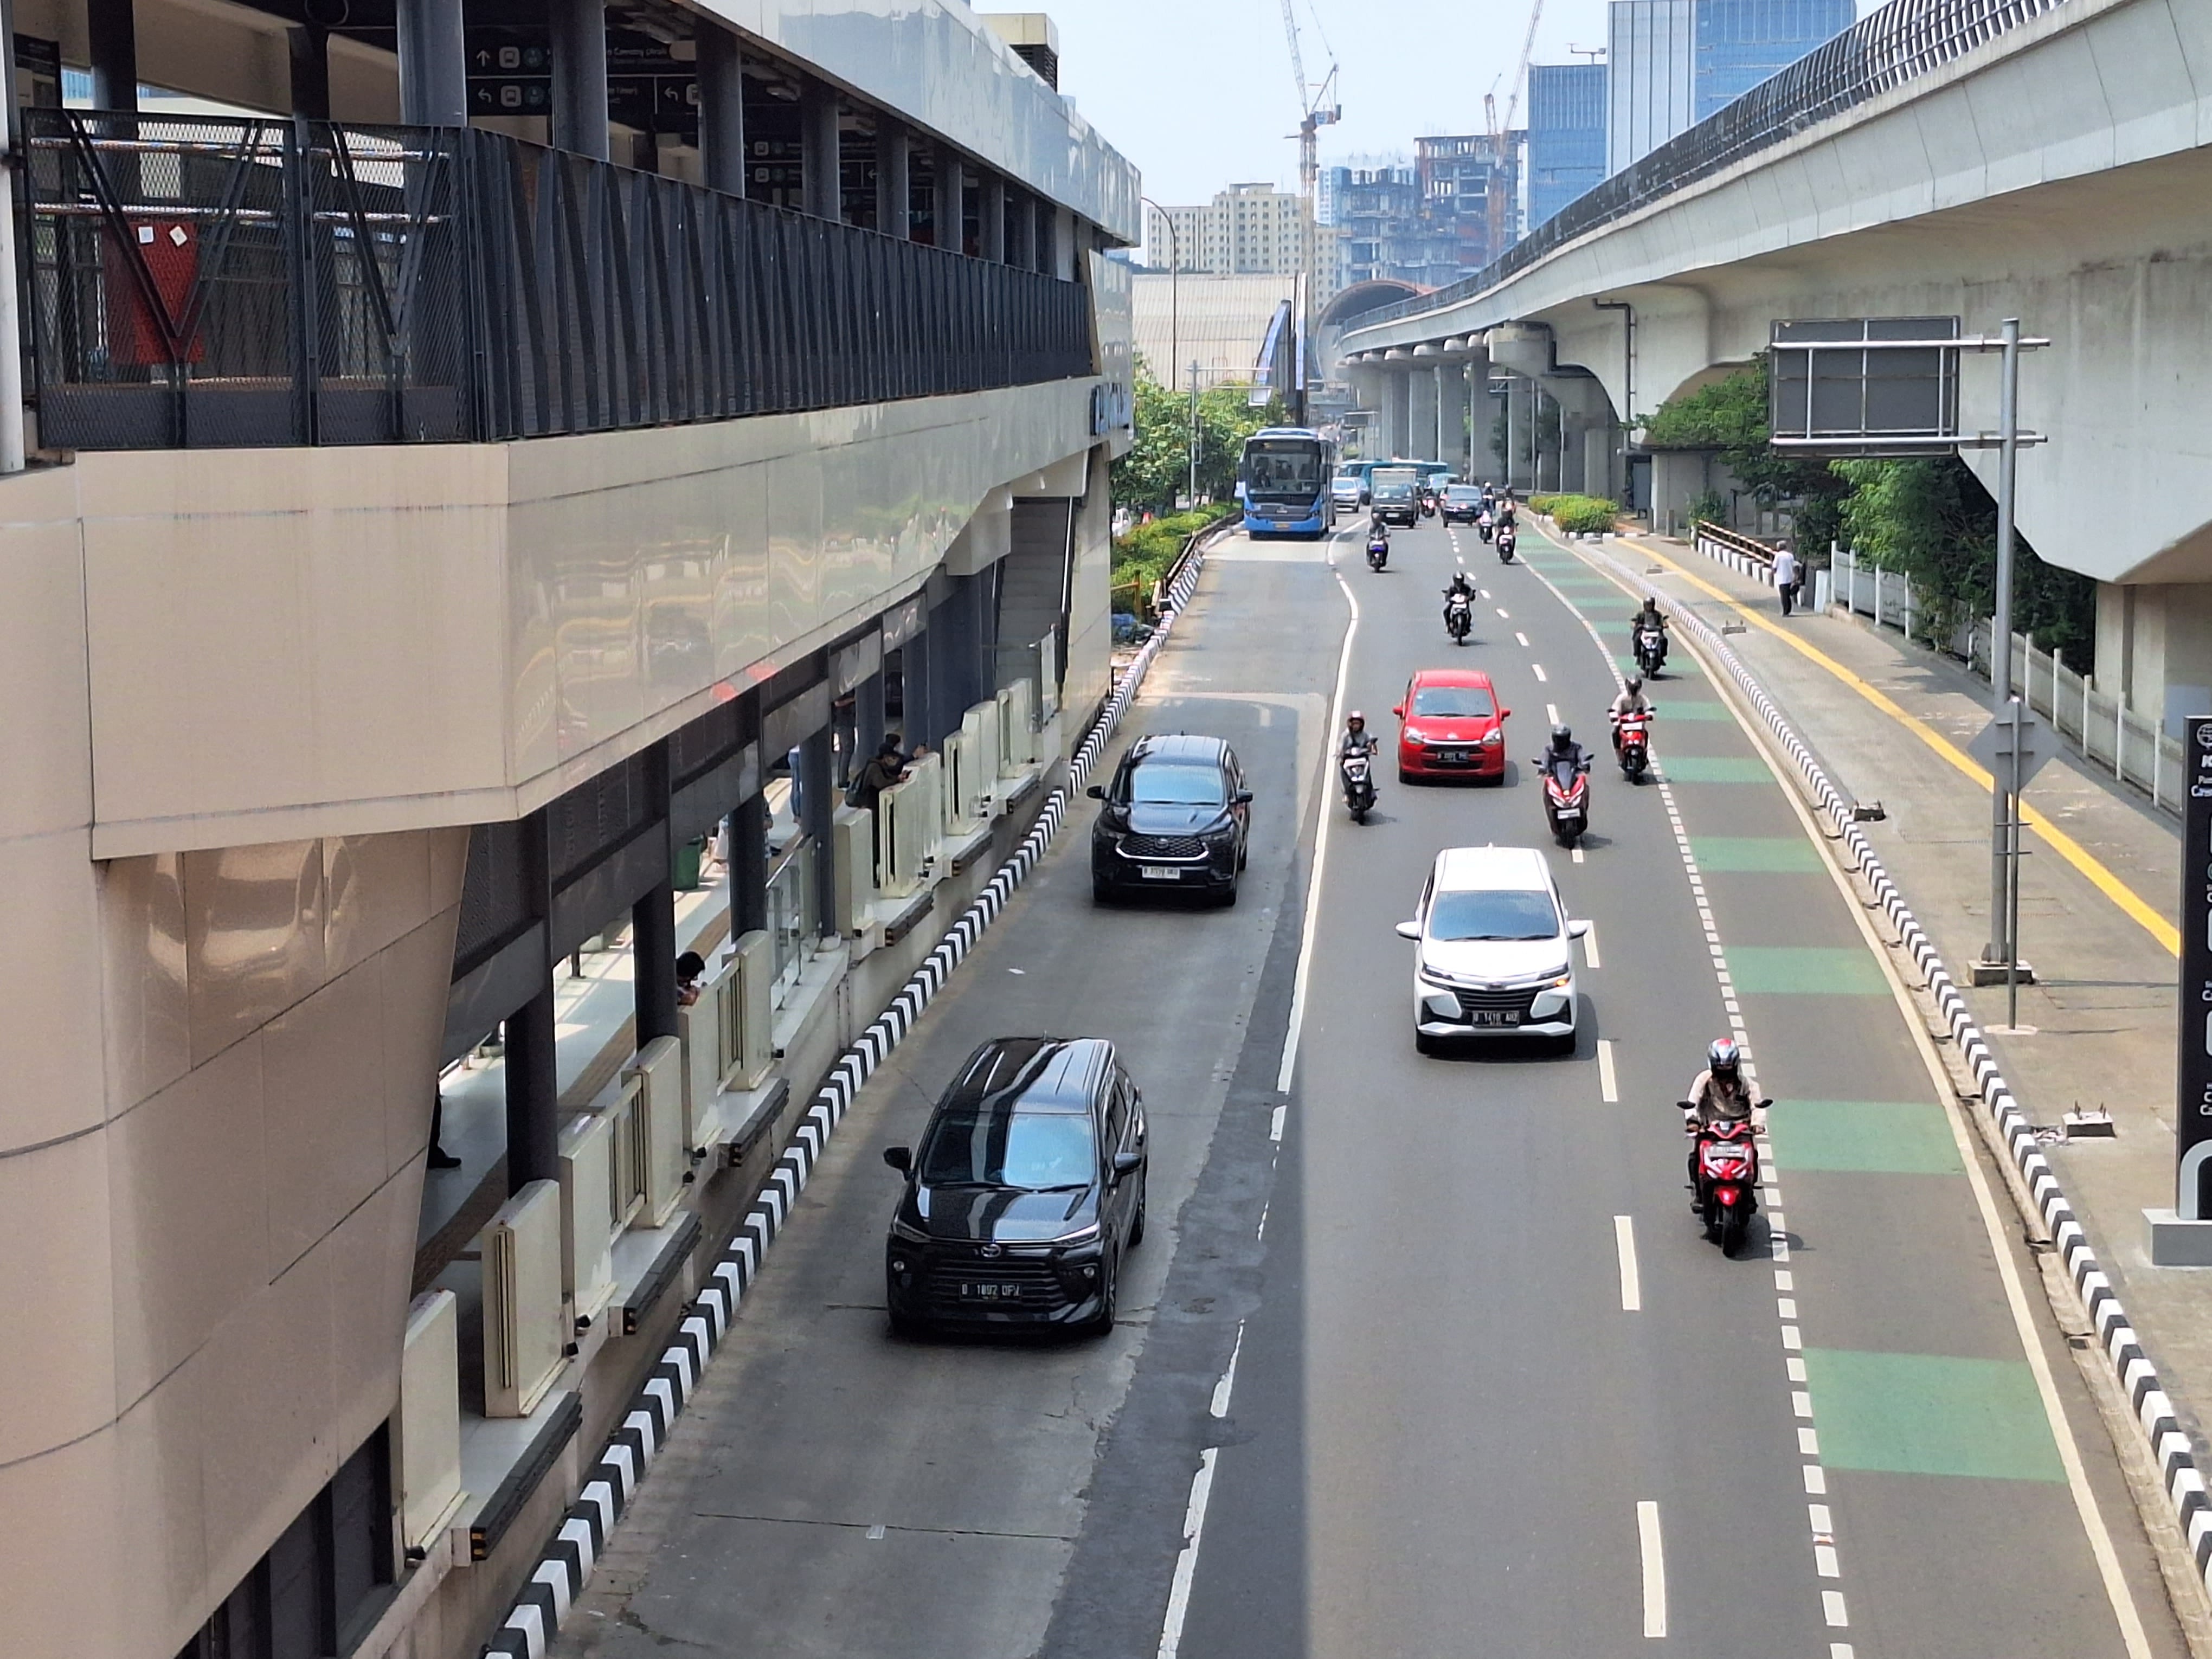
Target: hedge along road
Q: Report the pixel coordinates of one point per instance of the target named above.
(1500, 1395)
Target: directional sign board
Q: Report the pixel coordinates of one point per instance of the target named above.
(2193, 1122)
(1863, 386)
(1993, 746)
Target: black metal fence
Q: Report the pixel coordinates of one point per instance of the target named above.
(204, 282)
(1903, 41)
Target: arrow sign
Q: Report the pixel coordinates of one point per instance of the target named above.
(1993, 746)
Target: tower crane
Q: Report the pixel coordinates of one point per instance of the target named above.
(1315, 112)
(1501, 136)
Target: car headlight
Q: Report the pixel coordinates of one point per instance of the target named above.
(1495, 738)
(1081, 1235)
(901, 1228)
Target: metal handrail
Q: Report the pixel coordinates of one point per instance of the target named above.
(1901, 43)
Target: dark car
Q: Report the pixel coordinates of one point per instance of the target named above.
(1176, 820)
(1462, 503)
(1027, 1186)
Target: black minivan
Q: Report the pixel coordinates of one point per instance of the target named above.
(1027, 1186)
(1175, 819)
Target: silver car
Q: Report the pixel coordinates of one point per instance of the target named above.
(1493, 955)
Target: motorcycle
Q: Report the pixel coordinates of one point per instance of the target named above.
(1357, 775)
(1483, 525)
(1505, 544)
(1378, 549)
(1428, 504)
(1724, 1178)
(1650, 651)
(1633, 741)
(1459, 617)
(1566, 797)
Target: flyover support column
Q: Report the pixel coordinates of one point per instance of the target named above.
(1484, 463)
(580, 76)
(1394, 437)
(821, 185)
(1457, 429)
(1597, 459)
(721, 109)
(434, 64)
(1421, 404)
(894, 191)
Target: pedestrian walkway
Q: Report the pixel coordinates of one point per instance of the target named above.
(1890, 722)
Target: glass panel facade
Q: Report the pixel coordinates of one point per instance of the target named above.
(1566, 135)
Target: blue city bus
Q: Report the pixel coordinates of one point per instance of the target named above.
(1282, 479)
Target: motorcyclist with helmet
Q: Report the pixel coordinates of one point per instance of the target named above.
(1461, 588)
(1650, 616)
(1563, 750)
(1718, 1094)
(1356, 740)
(1631, 701)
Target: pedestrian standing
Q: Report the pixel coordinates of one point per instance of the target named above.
(1785, 577)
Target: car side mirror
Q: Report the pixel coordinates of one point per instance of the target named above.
(1505, 714)
(1409, 930)
(1242, 798)
(1400, 711)
(900, 1158)
(1124, 1163)
(1578, 930)
(1096, 791)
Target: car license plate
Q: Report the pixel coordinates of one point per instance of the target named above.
(990, 1292)
(1159, 873)
(1453, 757)
(1494, 1017)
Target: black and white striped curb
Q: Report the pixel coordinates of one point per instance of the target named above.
(2154, 1412)
(612, 1478)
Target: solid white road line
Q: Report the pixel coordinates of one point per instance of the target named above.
(1607, 1085)
(1590, 947)
(1227, 1386)
(1326, 798)
(1631, 1282)
(1655, 1569)
(1186, 1567)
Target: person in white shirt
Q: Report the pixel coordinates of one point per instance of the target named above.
(1786, 578)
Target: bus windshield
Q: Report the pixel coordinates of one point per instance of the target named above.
(1283, 469)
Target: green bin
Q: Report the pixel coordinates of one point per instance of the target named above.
(689, 856)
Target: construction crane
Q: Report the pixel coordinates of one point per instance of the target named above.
(1501, 136)
(1315, 112)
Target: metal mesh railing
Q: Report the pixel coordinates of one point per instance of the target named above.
(203, 282)
(1903, 41)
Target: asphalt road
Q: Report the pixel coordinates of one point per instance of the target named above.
(1443, 1433)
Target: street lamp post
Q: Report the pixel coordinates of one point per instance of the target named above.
(1175, 314)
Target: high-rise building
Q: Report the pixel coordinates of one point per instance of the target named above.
(1566, 135)
(1673, 62)
(1470, 201)
(1245, 230)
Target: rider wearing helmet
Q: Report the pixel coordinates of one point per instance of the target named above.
(1563, 748)
(1630, 701)
(1461, 588)
(1356, 740)
(1719, 1091)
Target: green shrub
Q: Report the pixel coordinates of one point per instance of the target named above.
(1577, 515)
(1710, 508)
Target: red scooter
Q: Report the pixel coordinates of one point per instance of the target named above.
(1632, 743)
(1724, 1175)
(1566, 797)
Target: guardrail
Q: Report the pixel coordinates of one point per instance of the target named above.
(1165, 589)
(1902, 42)
(212, 282)
(1755, 559)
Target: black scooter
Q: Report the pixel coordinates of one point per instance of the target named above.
(1378, 548)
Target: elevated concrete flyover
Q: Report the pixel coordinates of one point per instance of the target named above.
(2044, 159)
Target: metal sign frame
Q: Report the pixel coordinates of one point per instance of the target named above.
(2192, 1118)
(1805, 356)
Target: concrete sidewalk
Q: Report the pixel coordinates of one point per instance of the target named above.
(2098, 899)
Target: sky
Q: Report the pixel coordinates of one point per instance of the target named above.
(1199, 94)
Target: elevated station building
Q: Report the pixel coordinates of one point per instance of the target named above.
(529, 450)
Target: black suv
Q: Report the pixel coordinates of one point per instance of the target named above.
(1027, 1186)
(1175, 819)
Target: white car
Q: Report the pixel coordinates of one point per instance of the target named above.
(1492, 955)
(1345, 491)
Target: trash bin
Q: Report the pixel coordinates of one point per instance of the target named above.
(689, 856)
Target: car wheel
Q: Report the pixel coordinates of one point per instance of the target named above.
(1108, 1295)
(1137, 1227)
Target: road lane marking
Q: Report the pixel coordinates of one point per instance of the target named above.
(1832, 1603)
(1655, 1568)
(1523, 638)
(1552, 710)
(1324, 799)
(1608, 1086)
(1537, 668)
(1631, 1282)
(1503, 612)
(1576, 852)
(1186, 1567)
(1275, 1122)
(1224, 1388)
(876, 1533)
(1590, 948)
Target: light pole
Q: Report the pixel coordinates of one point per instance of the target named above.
(1175, 316)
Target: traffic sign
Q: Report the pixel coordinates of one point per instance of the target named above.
(1993, 746)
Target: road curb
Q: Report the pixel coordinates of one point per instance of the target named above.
(2152, 1410)
(610, 1481)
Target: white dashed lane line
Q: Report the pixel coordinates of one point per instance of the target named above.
(1654, 1554)
(1608, 1086)
(1523, 638)
(1631, 1282)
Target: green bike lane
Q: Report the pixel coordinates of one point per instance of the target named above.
(1938, 1504)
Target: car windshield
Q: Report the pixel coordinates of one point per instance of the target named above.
(1001, 1145)
(1160, 784)
(1454, 703)
(1462, 493)
(1524, 913)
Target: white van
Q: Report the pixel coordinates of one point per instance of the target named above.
(1492, 953)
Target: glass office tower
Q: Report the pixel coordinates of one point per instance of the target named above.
(1566, 135)
(1673, 62)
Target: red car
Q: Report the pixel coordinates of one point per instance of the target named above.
(1451, 727)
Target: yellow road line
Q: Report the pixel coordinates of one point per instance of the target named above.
(2058, 840)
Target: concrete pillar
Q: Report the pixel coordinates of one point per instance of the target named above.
(867, 717)
(1421, 402)
(894, 215)
(1598, 459)
(1392, 407)
(819, 151)
(579, 72)
(1065, 253)
(533, 1093)
(111, 43)
(749, 865)
(1024, 253)
(947, 196)
(721, 109)
(652, 962)
(991, 210)
(433, 66)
